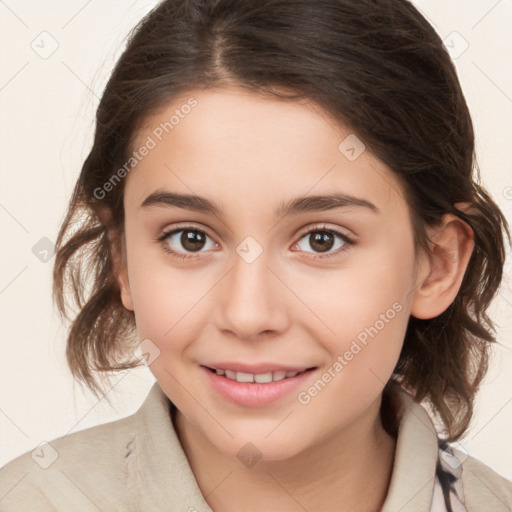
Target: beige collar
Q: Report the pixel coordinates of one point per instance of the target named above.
(161, 475)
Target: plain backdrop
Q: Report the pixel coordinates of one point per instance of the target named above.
(56, 58)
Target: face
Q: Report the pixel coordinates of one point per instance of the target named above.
(258, 278)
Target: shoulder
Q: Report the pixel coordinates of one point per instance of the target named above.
(135, 463)
(452, 474)
(484, 488)
(69, 471)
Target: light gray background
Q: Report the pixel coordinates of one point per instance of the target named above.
(48, 102)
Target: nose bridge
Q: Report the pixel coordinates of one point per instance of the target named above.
(251, 300)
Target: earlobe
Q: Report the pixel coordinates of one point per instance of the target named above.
(121, 269)
(443, 271)
(117, 250)
(124, 286)
(126, 297)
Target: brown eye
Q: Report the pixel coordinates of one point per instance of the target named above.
(186, 240)
(322, 240)
(192, 240)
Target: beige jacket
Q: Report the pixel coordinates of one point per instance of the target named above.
(137, 464)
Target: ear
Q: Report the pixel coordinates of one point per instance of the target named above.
(117, 251)
(120, 264)
(441, 274)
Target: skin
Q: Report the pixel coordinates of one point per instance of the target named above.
(248, 154)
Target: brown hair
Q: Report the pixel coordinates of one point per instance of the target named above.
(378, 67)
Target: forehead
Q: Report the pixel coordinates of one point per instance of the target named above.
(233, 145)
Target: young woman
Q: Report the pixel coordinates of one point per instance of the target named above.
(280, 210)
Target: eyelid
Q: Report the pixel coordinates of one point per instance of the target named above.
(164, 233)
(184, 256)
(324, 227)
(349, 241)
(317, 227)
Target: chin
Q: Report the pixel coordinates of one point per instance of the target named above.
(253, 449)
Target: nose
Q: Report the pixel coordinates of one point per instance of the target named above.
(252, 300)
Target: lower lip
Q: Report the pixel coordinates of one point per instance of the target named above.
(254, 394)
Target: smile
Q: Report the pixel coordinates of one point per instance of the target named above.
(258, 388)
(260, 378)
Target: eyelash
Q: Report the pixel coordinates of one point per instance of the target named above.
(193, 256)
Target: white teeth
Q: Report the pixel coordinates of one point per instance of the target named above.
(279, 375)
(261, 378)
(244, 377)
(230, 374)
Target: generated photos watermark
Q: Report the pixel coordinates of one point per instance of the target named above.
(151, 142)
(361, 341)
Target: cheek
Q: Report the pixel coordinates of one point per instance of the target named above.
(364, 309)
(163, 297)
(367, 321)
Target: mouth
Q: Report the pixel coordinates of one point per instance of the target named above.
(257, 388)
(260, 378)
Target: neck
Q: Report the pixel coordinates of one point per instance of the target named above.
(348, 471)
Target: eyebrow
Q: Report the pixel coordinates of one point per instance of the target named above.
(294, 206)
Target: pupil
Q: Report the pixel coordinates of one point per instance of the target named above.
(192, 240)
(322, 241)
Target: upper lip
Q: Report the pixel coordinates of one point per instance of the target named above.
(256, 369)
